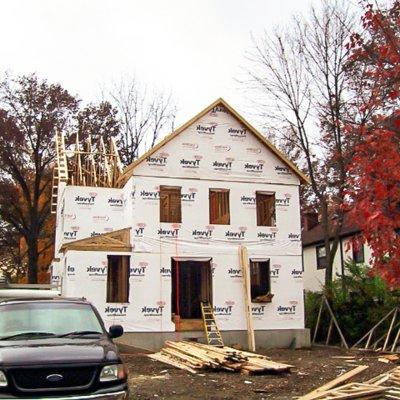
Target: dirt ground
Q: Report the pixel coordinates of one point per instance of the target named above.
(151, 379)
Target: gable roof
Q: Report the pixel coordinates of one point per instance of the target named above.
(113, 241)
(128, 170)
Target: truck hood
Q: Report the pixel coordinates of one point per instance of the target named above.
(57, 351)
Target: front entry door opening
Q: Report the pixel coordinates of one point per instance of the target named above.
(191, 284)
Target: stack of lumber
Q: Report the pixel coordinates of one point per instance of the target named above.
(193, 356)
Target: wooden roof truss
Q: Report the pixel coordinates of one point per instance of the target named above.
(86, 164)
(93, 164)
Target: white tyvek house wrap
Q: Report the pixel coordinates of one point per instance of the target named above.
(215, 152)
(88, 212)
(217, 147)
(195, 235)
(91, 211)
(149, 307)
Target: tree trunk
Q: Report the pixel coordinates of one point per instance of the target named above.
(33, 258)
(331, 240)
(326, 229)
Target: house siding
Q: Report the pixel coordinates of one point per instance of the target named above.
(314, 278)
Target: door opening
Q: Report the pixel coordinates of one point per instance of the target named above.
(191, 284)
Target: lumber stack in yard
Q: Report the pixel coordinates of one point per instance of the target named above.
(193, 357)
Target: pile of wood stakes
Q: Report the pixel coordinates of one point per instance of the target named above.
(384, 386)
(193, 357)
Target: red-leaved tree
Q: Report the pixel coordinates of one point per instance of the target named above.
(374, 174)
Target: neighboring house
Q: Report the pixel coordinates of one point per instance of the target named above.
(314, 255)
(147, 253)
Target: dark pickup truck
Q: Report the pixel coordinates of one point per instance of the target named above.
(58, 349)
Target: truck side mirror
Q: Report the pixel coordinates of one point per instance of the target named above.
(115, 331)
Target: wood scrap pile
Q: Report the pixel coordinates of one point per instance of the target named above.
(384, 386)
(390, 379)
(193, 356)
(354, 391)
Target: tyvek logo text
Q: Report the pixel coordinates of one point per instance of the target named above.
(159, 160)
(116, 311)
(206, 129)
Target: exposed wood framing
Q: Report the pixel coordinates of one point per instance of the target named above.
(86, 164)
(118, 241)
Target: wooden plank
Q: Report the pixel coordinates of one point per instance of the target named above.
(336, 323)
(390, 330)
(318, 321)
(226, 350)
(244, 263)
(328, 336)
(368, 340)
(335, 382)
(269, 365)
(192, 352)
(169, 361)
(396, 339)
(196, 363)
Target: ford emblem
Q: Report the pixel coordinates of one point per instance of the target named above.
(54, 378)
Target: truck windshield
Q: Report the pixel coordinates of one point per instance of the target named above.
(40, 319)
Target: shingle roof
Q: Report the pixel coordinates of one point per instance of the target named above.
(316, 234)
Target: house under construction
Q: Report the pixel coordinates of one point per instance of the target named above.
(210, 216)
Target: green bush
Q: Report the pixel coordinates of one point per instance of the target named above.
(359, 300)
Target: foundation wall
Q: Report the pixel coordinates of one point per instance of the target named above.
(274, 338)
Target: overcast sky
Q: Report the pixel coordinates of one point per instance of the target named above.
(195, 48)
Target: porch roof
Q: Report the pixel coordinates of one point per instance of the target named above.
(119, 240)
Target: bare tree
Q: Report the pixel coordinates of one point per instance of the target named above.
(143, 116)
(303, 94)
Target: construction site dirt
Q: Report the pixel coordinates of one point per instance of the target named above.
(151, 379)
